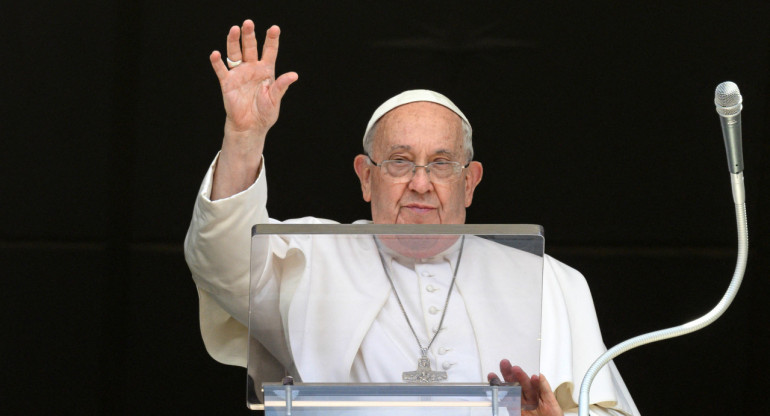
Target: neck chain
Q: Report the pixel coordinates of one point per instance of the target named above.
(423, 374)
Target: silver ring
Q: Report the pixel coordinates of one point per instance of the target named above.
(233, 64)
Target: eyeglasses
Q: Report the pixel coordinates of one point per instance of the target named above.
(402, 171)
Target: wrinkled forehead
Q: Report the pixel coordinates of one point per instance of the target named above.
(420, 127)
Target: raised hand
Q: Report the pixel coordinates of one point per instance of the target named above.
(252, 98)
(537, 397)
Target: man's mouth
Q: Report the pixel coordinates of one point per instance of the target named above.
(419, 208)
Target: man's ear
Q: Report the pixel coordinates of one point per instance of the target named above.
(364, 171)
(473, 175)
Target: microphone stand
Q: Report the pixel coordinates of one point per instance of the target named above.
(739, 198)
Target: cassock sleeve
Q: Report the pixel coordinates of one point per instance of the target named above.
(572, 341)
(217, 250)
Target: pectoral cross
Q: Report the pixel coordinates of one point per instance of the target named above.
(424, 374)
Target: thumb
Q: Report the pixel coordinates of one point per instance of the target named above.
(281, 85)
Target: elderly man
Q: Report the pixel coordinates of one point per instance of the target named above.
(417, 169)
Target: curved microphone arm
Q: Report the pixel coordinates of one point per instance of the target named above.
(702, 322)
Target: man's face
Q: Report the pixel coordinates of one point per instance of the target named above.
(421, 132)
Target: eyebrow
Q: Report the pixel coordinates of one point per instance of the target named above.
(409, 148)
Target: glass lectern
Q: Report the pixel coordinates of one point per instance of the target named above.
(391, 319)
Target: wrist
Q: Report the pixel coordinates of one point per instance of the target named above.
(242, 154)
(244, 146)
(234, 174)
(234, 132)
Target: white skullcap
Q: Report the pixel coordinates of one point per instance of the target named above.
(412, 96)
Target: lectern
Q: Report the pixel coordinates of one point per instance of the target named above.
(391, 319)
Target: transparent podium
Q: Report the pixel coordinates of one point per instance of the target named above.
(360, 319)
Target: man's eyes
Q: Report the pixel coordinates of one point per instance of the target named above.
(440, 162)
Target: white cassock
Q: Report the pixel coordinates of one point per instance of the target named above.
(359, 333)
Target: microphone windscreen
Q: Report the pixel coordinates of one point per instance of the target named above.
(727, 98)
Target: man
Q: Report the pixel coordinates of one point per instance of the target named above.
(418, 169)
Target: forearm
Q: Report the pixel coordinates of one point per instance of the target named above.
(239, 163)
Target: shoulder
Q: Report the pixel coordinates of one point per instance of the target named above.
(569, 279)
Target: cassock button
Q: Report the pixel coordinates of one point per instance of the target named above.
(431, 288)
(443, 350)
(433, 310)
(447, 365)
(426, 274)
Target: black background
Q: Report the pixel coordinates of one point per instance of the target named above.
(594, 119)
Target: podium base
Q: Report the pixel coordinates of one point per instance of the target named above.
(389, 399)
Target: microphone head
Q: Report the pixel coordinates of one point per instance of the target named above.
(728, 100)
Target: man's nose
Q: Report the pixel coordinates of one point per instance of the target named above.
(420, 180)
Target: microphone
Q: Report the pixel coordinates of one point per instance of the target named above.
(729, 104)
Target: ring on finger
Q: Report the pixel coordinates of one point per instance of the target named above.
(233, 64)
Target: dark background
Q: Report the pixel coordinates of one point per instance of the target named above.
(594, 119)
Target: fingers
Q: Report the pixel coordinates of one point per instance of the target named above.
(219, 67)
(281, 85)
(547, 397)
(234, 44)
(270, 48)
(249, 42)
(528, 390)
(511, 373)
(494, 380)
(536, 392)
(514, 374)
(546, 392)
(242, 44)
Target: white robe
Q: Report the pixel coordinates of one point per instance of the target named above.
(217, 252)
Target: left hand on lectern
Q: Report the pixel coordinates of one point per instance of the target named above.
(535, 391)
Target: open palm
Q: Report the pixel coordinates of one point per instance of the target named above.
(251, 93)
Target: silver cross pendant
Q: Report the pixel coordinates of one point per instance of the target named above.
(424, 374)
